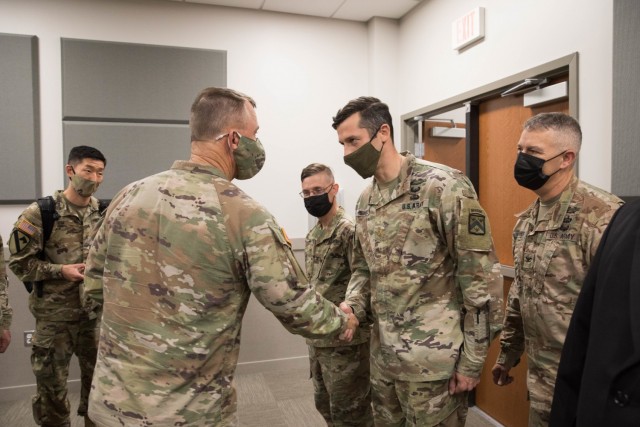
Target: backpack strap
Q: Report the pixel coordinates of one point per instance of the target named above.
(49, 215)
(103, 205)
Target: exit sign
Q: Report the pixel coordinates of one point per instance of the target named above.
(468, 28)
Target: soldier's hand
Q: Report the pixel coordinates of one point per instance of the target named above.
(459, 383)
(5, 340)
(501, 375)
(352, 323)
(73, 272)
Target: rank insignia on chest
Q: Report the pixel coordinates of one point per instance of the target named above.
(477, 224)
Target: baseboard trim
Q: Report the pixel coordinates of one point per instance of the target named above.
(10, 394)
(272, 365)
(20, 392)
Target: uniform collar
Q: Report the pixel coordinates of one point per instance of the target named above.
(403, 185)
(319, 233)
(554, 217)
(64, 206)
(192, 167)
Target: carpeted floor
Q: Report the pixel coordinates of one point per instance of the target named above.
(270, 399)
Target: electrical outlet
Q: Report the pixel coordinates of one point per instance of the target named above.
(28, 337)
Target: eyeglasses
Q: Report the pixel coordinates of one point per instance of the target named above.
(315, 191)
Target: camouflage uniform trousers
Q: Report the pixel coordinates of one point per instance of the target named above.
(54, 343)
(341, 384)
(539, 416)
(415, 404)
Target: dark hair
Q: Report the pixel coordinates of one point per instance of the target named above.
(314, 169)
(81, 152)
(559, 122)
(214, 109)
(373, 114)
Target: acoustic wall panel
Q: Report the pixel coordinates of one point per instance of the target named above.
(133, 150)
(625, 180)
(19, 119)
(135, 82)
(132, 102)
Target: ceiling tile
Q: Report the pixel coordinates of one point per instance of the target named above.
(324, 8)
(247, 4)
(363, 10)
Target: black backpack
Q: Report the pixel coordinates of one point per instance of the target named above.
(49, 216)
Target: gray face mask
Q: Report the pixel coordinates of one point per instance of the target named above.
(365, 159)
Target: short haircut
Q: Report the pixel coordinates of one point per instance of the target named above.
(559, 122)
(81, 152)
(314, 169)
(214, 109)
(373, 114)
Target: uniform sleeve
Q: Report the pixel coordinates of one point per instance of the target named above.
(279, 284)
(593, 229)
(25, 244)
(465, 227)
(94, 265)
(512, 337)
(6, 313)
(358, 294)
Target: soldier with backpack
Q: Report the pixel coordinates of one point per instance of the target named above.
(48, 245)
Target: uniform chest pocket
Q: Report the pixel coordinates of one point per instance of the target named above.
(544, 256)
(415, 241)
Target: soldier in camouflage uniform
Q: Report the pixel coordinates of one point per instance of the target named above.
(340, 371)
(65, 322)
(5, 309)
(427, 268)
(554, 241)
(175, 261)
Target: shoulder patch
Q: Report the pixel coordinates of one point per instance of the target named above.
(476, 224)
(474, 231)
(18, 241)
(26, 227)
(284, 234)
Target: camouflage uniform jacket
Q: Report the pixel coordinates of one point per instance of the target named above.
(431, 271)
(551, 259)
(328, 253)
(179, 254)
(68, 244)
(6, 312)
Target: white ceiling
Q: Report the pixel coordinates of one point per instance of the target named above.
(353, 10)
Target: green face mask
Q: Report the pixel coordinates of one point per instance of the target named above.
(365, 159)
(249, 157)
(84, 187)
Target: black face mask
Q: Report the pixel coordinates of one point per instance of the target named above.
(528, 171)
(318, 206)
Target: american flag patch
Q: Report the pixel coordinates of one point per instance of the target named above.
(27, 227)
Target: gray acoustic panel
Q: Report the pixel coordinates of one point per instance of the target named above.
(625, 180)
(19, 119)
(133, 150)
(135, 82)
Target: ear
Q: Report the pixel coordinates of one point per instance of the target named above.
(234, 140)
(568, 159)
(336, 187)
(69, 170)
(385, 131)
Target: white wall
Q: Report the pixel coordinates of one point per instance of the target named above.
(300, 70)
(519, 35)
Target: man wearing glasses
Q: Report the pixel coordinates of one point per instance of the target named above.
(340, 371)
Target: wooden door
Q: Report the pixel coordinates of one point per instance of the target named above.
(445, 150)
(500, 126)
